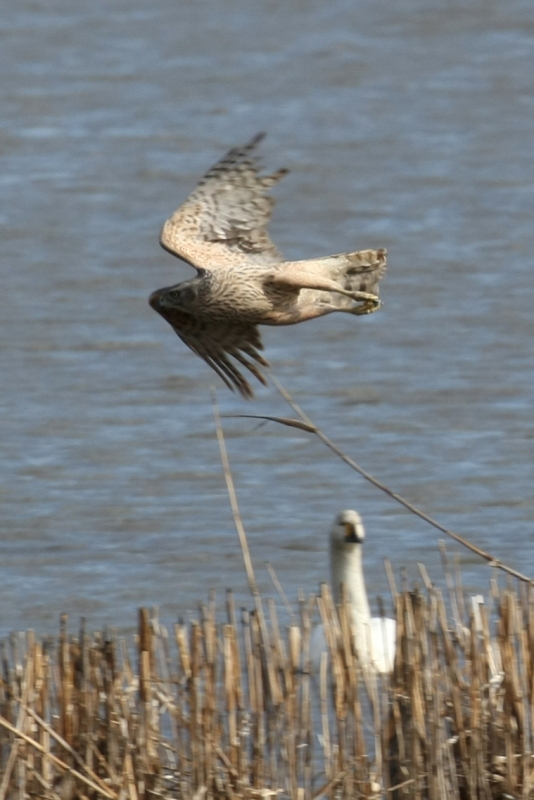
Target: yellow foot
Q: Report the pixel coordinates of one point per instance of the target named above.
(371, 304)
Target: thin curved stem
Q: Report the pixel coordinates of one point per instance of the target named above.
(306, 424)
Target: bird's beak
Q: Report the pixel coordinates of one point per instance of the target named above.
(350, 533)
(155, 300)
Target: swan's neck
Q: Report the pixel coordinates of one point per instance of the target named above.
(346, 567)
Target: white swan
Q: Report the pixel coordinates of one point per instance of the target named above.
(374, 637)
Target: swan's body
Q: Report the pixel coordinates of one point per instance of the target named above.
(374, 637)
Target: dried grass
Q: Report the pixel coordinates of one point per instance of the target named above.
(233, 710)
(230, 708)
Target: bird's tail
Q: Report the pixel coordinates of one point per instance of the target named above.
(355, 272)
(360, 271)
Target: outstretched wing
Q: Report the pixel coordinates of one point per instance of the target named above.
(215, 340)
(224, 220)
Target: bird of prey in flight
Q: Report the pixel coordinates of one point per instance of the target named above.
(242, 280)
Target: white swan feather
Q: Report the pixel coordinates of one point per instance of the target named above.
(374, 637)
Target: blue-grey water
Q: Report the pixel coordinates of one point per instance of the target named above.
(408, 125)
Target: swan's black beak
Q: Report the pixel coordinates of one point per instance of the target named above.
(350, 532)
(354, 531)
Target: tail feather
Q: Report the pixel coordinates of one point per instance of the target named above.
(360, 271)
(318, 281)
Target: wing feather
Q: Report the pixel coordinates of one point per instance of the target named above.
(219, 340)
(224, 220)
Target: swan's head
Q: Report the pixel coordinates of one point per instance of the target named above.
(347, 529)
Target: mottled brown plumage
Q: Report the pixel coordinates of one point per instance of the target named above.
(242, 280)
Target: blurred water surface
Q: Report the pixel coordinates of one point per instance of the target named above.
(407, 125)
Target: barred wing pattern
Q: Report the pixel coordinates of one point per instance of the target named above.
(224, 220)
(215, 341)
(242, 281)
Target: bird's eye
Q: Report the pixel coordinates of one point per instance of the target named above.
(175, 294)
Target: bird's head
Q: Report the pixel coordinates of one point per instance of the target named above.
(347, 529)
(174, 298)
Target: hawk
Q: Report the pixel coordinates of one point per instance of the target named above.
(242, 280)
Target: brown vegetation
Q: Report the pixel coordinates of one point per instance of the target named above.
(230, 709)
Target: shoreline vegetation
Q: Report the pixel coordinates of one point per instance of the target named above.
(230, 706)
(233, 709)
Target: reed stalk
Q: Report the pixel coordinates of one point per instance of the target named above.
(218, 714)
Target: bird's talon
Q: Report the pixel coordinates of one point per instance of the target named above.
(369, 307)
(221, 230)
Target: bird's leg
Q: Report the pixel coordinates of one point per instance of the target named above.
(371, 302)
(302, 313)
(296, 314)
(292, 276)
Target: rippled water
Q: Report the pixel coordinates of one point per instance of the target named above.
(407, 125)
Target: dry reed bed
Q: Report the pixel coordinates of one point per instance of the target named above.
(231, 710)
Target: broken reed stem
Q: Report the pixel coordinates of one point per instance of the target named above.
(244, 545)
(220, 715)
(306, 424)
(249, 569)
(280, 589)
(66, 746)
(61, 764)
